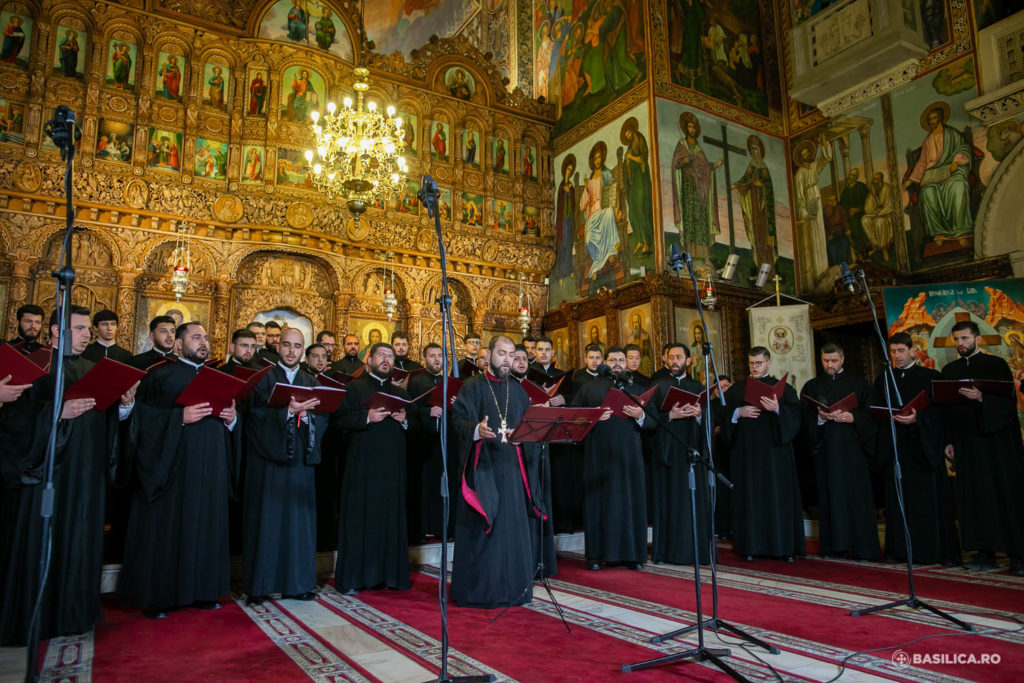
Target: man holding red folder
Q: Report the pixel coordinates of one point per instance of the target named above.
(176, 553)
(841, 434)
(984, 442)
(767, 515)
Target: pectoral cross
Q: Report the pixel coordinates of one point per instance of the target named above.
(504, 431)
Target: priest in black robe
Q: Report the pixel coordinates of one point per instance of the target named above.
(927, 494)
(283, 448)
(30, 324)
(373, 539)
(566, 509)
(841, 443)
(84, 457)
(983, 440)
(105, 324)
(186, 463)
(400, 340)
(615, 504)
(424, 451)
(242, 352)
(494, 563)
(767, 515)
(682, 433)
(348, 363)
(161, 334)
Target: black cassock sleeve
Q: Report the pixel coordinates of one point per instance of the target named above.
(273, 436)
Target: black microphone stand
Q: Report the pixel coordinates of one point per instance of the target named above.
(911, 600)
(428, 196)
(61, 130)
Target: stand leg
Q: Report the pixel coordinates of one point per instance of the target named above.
(914, 603)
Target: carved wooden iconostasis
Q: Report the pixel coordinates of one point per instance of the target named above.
(198, 113)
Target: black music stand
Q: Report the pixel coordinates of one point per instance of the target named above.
(544, 425)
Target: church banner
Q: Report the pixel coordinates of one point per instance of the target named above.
(928, 312)
(786, 332)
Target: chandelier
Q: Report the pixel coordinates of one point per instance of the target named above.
(358, 155)
(524, 306)
(181, 259)
(389, 301)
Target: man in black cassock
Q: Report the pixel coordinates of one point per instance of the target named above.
(841, 443)
(372, 539)
(471, 345)
(273, 330)
(672, 511)
(105, 324)
(633, 358)
(566, 510)
(263, 349)
(400, 340)
(530, 344)
(614, 493)
(243, 349)
(493, 564)
(186, 464)
(161, 333)
(424, 453)
(984, 442)
(349, 362)
(317, 360)
(927, 494)
(283, 446)
(720, 446)
(30, 324)
(664, 370)
(85, 455)
(767, 517)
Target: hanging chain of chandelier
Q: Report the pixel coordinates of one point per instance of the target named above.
(358, 156)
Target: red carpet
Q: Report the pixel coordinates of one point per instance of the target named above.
(802, 608)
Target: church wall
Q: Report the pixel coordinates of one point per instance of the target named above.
(150, 158)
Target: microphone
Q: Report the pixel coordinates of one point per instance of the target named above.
(675, 261)
(62, 130)
(428, 195)
(846, 277)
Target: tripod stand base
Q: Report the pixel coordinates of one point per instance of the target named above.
(914, 603)
(483, 678)
(715, 624)
(700, 654)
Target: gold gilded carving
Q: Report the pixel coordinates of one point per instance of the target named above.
(27, 176)
(489, 251)
(426, 241)
(357, 232)
(136, 194)
(299, 215)
(86, 251)
(117, 103)
(167, 115)
(228, 208)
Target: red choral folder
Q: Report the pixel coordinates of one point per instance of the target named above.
(755, 389)
(213, 387)
(454, 386)
(948, 390)
(539, 395)
(243, 373)
(41, 357)
(401, 378)
(330, 397)
(162, 362)
(328, 381)
(252, 381)
(546, 382)
(683, 398)
(845, 404)
(390, 403)
(106, 382)
(918, 403)
(617, 400)
(555, 425)
(16, 364)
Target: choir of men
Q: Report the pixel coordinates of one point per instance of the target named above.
(366, 479)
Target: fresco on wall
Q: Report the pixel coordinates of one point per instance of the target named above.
(471, 147)
(586, 54)
(635, 325)
(121, 65)
(164, 150)
(444, 203)
(307, 22)
(439, 137)
(258, 91)
(560, 344)
(501, 215)
(460, 83)
(17, 42)
(170, 83)
(529, 162)
(593, 331)
(302, 91)
(715, 48)
(410, 131)
(254, 159)
(406, 200)
(724, 191)
(402, 26)
(472, 210)
(211, 159)
(216, 79)
(499, 155)
(293, 169)
(69, 51)
(114, 141)
(689, 331)
(12, 117)
(604, 222)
